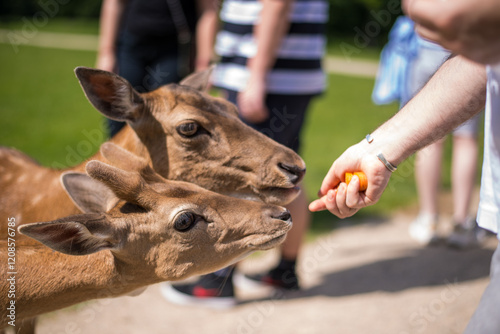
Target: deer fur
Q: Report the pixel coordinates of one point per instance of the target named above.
(138, 229)
(184, 133)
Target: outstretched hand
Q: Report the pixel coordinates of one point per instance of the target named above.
(345, 200)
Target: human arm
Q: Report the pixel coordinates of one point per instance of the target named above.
(109, 25)
(206, 28)
(273, 24)
(454, 94)
(467, 27)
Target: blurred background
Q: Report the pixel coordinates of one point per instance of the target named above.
(45, 113)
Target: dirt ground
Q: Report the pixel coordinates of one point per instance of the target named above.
(368, 278)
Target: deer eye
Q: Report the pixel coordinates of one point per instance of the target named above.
(185, 221)
(188, 129)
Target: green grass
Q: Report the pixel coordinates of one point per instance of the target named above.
(338, 46)
(345, 47)
(56, 24)
(44, 112)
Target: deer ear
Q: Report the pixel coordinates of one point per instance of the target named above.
(128, 186)
(198, 80)
(75, 235)
(123, 159)
(111, 94)
(89, 195)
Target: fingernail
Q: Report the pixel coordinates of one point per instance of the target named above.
(331, 194)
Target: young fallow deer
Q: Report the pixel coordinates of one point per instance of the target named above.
(156, 230)
(184, 133)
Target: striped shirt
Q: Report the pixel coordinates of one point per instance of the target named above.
(297, 69)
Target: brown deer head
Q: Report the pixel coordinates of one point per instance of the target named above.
(192, 136)
(156, 227)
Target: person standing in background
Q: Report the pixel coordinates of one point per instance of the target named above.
(407, 63)
(270, 67)
(428, 164)
(152, 43)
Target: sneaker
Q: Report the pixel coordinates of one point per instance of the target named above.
(275, 278)
(466, 235)
(210, 291)
(423, 229)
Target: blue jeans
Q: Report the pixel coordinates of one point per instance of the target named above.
(147, 64)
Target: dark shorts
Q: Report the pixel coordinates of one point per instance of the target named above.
(146, 64)
(287, 113)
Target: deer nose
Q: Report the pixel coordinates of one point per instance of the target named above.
(294, 172)
(284, 216)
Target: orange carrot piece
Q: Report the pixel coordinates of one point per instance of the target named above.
(363, 181)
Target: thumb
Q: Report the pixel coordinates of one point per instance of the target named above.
(330, 181)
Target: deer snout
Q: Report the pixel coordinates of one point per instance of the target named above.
(280, 216)
(272, 229)
(284, 216)
(294, 172)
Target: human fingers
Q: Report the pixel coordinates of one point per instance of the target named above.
(430, 35)
(330, 181)
(255, 115)
(405, 5)
(353, 194)
(330, 200)
(341, 202)
(326, 202)
(106, 62)
(378, 178)
(261, 114)
(427, 13)
(352, 199)
(318, 205)
(252, 107)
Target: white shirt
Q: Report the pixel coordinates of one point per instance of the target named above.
(488, 215)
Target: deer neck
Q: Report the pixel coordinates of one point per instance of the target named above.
(48, 280)
(129, 140)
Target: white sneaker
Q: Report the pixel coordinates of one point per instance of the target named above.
(423, 229)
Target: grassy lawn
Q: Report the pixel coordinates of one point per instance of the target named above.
(338, 46)
(44, 112)
(345, 47)
(56, 24)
